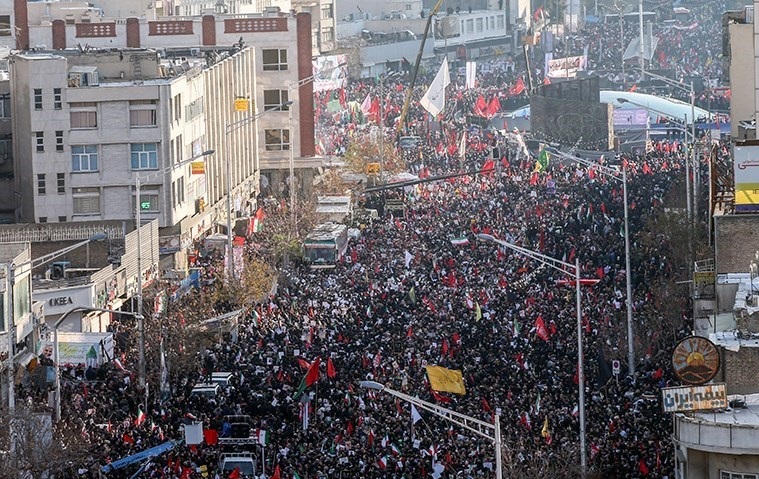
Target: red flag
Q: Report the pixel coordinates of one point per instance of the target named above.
(440, 398)
(211, 436)
(517, 88)
(540, 329)
(633, 88)
(312, 375)
(127, 439)
(410, 332)
(643, 467)
(489, 165)
(538, 14)
(277, 473)
(485, 405)
(371, 437)
(546, 81)
(445, 346)
(331, 373)
(303, 363)
(480, 107)
(235, 474)
(493, 107)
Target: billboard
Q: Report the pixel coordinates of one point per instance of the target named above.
(694, 398)
(586, 125)
(630, 117)
(566, 67)
(89, 349)
(746, 171)
(330, 72)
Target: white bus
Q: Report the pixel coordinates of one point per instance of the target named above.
(325, 246)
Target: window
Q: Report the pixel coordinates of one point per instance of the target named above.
(178, 107)
(142, 113)
(39, 139)
(277, 140)
(86, 201)
(5, 105)
(408, 7)
(61, 183)
(179, 145)
(500, 22)
(328, 36)
(84, 158)
(144, 156)
(6, 29)
(57, 98)
(737, 475)
(62, 219)
(469, 25)
(58, 140)
(148, 200)
(274, 98)
(84, 115)
(6, 149)
(177, 192)
(43, 219)
(38, 98)
(41, 184)
(275, 60)
(327, 12)
(491, 20)
(479, 25)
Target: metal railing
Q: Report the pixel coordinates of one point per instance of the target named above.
(33, 234)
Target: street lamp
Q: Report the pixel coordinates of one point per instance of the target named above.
(10, 282)
(56, 351)
(138, 180)
(564, 268)
(229, 129)
(484, 429)
(610, 173)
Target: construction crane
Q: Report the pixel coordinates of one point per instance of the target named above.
(410, 90)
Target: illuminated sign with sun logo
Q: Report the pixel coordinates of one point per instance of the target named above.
(695, 360)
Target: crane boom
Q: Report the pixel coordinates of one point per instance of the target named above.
(410, 90)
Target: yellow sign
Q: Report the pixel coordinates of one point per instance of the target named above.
(241, 104)
(198, 168)
(444, 379)
(372, 168)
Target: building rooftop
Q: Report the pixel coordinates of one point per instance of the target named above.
(744, 416)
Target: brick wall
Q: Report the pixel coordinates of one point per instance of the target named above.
(736, 240)
(740, 370)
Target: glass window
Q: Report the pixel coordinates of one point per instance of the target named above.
(58, 140)
(275, 59)
(41, 189)
(142, 113)
(62, 219)
(469, 25)
(38, 98)
(84, 115)
(479, 25)
(5, 106)
(22, 301)
(57, 98)
(84, 158)
(144, 156)
(148, 200)
(61, 183)
(277, 140)
(274, 98)
(43, 219)
(87, 201)
(6, 29)
(39, 140)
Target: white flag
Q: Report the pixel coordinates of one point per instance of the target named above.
(462, 146)
(415, 416)
(434, 99)
(409, 257)
(367, 104)
(471, 73)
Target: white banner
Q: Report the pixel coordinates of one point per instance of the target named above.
(327, 74)
(89, 349)
(566, 67)
(471, 74)
(434, 99)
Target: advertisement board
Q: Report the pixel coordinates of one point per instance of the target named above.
(89, 349)
(746, 171)
(694, 398)
(566, 67)
(630, 117)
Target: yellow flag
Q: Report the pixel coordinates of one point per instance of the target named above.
(545, 432)
(447, 380)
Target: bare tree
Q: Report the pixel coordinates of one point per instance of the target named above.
(34, 448)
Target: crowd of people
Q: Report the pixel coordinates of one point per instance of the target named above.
(421, 289)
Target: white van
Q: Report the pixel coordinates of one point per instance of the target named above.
(245, 461)
(221, 378)
(208, 390)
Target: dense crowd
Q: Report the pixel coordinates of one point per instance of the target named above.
(407, 296)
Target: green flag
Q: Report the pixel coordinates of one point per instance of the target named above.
(296, 475)
(543, 157)
(478, 312)
(412, 295)
(517, 327)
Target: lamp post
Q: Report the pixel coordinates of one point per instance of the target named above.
(138, 180)
(562, 267)
(10, 282)
(611, 174)
(292, 86)
(229, 129)
(56, 351)
(484, 429)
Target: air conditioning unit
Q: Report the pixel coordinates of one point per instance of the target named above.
(59, 269)
(195, 52)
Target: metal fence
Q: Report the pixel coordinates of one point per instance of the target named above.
(37, 233)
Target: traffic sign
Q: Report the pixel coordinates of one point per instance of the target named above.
(615, 367)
